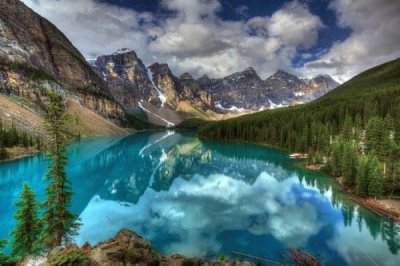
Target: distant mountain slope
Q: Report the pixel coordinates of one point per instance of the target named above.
(375, 92)
(245, 90)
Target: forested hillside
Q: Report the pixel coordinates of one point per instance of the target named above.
(12, 137)
(354, 130)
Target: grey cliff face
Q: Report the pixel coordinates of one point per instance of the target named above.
(127, 79)
(36, 56)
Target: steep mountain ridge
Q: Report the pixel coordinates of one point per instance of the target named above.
(30, 39)
(35, 57)
(127, 78)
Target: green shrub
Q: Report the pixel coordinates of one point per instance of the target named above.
(194, 123)
(222, 257)
(3, 153)
(70, 258)
(36, 74)
(127, 256)
(136, 256)
(188, 262)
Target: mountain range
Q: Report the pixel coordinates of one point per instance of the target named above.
(118, 91)
(157, 91)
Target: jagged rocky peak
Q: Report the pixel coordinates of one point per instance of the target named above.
(123, 51)
(204, 81)
(248, 73)
(284, 76)
(321, 84)
(205, 76)
(326, 78)
(250, 70)
(186, 76)
(128, 79)
(167, 83)
(122, 60)
(160, 69)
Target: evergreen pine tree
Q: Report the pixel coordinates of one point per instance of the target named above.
(374, 135)
(362, 177)
(349, 158)
(347, 130)
(358, 123)
(396, 127)
(396, 178)
(375, 186)
(3, 153)
(3, 257)
(59, 223)
(27, 231)
(389, 123)
(5, 260)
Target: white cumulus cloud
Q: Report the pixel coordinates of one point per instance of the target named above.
(374, 39)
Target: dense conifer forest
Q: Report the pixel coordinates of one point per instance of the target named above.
(11, 137)
(353, 131)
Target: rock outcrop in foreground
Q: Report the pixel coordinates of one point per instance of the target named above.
(125, 249)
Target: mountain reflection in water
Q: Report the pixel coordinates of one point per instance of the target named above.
(207, 198)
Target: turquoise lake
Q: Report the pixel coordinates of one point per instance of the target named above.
(207, 198)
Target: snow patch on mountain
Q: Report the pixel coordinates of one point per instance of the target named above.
(166, 135)
(161, 96)
(123, 51)
(231, 109)
(273, 105)
(298, 93)
(169, 124)
(163, 158)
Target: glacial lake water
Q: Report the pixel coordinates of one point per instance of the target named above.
(207, 198)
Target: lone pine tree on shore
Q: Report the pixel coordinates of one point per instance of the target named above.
(59, 223)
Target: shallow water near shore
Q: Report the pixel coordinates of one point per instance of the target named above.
(207, 198)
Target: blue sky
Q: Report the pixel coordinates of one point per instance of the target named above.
(219, 37)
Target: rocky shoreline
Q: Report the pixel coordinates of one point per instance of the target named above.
(17, 153)
(125, 249)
